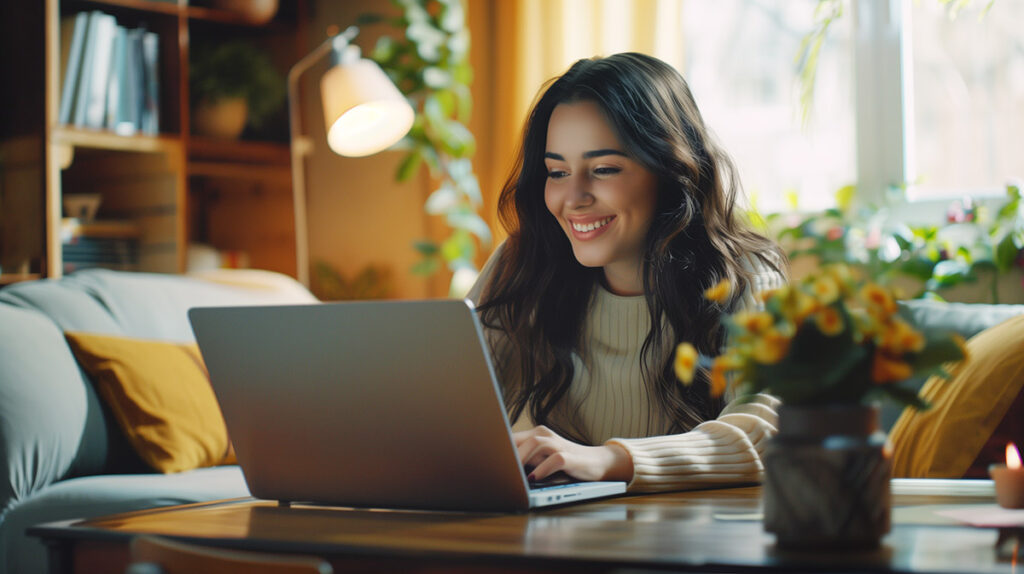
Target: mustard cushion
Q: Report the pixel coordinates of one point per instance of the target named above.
(160, 395)
(944, 441)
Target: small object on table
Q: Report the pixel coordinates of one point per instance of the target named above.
(1009, 479)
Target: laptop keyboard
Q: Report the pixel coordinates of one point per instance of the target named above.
(557, 480)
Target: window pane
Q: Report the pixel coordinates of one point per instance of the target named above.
(968, 97)
(741, 65)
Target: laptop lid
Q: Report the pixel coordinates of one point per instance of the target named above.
(390, 404)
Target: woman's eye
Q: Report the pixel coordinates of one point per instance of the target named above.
(607, 170)
(556, 174)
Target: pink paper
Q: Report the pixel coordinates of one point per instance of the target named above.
(989, 516)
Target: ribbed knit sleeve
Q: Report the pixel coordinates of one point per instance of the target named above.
(726, 450)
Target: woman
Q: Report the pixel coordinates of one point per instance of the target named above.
(621, 213)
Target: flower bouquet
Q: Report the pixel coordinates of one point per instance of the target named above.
(831, 338)
(828, 346)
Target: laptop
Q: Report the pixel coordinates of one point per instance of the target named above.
(391, 404)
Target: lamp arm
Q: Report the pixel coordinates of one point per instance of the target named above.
(300, 148)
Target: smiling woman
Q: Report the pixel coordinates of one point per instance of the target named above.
(620, 213)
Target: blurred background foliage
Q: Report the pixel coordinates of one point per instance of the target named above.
(430, 64)
(974, 242)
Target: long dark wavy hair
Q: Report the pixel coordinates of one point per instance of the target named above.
(539, 294)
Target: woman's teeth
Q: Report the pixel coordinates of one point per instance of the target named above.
(585, 227)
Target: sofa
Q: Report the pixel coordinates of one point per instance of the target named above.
(62, 453)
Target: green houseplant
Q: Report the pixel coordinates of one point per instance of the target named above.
(430, 64)
(235, 71)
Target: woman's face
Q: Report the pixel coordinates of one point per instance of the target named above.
(603, 199)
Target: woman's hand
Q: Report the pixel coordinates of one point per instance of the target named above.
(549, 453)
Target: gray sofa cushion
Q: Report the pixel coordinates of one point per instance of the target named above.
(69, 308)
(41, 423)
(967, 319)
(93, 496)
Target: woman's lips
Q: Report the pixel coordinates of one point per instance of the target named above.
(589, 229)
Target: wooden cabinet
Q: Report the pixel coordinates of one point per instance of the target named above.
(158, 193)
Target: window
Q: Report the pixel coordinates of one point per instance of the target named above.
(740, 62)
(968, 97)
(905, 93)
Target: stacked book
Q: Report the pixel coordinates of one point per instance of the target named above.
(111, 78)
(106, 244)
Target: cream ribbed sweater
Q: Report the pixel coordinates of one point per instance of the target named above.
(609, 402)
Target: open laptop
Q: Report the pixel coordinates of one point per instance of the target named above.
(369, 404)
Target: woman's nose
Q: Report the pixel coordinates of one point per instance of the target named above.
(579, 193)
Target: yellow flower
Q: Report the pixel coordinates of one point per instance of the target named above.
(829, 321)
(825, 289)
(771, 347)
(885, 369)
(797, 305)
(898, 337)
(718, 381)
(880, 302)
(720, 292)
(686, 362)
(767, 294)
(754, 322)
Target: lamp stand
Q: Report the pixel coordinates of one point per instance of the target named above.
(301, 146)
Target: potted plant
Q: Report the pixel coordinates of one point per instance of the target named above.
(233, 85)
(828, 346)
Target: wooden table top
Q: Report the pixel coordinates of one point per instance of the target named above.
(710, 529)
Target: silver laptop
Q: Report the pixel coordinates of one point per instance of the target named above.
(369, 404)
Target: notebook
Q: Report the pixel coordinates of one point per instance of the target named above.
(390, 404)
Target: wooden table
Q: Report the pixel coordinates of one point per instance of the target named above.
(706, 531)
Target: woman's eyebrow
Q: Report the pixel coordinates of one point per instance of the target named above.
(586, 154)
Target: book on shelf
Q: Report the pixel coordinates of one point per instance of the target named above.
(111, 75)
(150, 115)
(71, 51)
(111, 244)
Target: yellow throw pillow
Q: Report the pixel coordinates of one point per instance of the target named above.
(160, 395)
(944, 441)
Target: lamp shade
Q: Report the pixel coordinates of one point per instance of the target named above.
(363, 110)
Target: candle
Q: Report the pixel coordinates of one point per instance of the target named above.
(1009, 479)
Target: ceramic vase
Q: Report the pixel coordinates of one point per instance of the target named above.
(827, 475)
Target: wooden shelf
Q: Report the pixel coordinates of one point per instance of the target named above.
(8, 278)
(110, 141)
(276, 174)
(239, 151)
(105, 229)
(153, 6)
(166, 190)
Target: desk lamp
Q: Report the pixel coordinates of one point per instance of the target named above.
(364, 113)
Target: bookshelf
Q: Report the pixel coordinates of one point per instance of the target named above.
(161, 189)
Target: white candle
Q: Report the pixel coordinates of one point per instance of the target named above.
(1009, 479)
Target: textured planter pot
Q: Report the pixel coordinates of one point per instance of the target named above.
(827, 476)
(224, 118)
